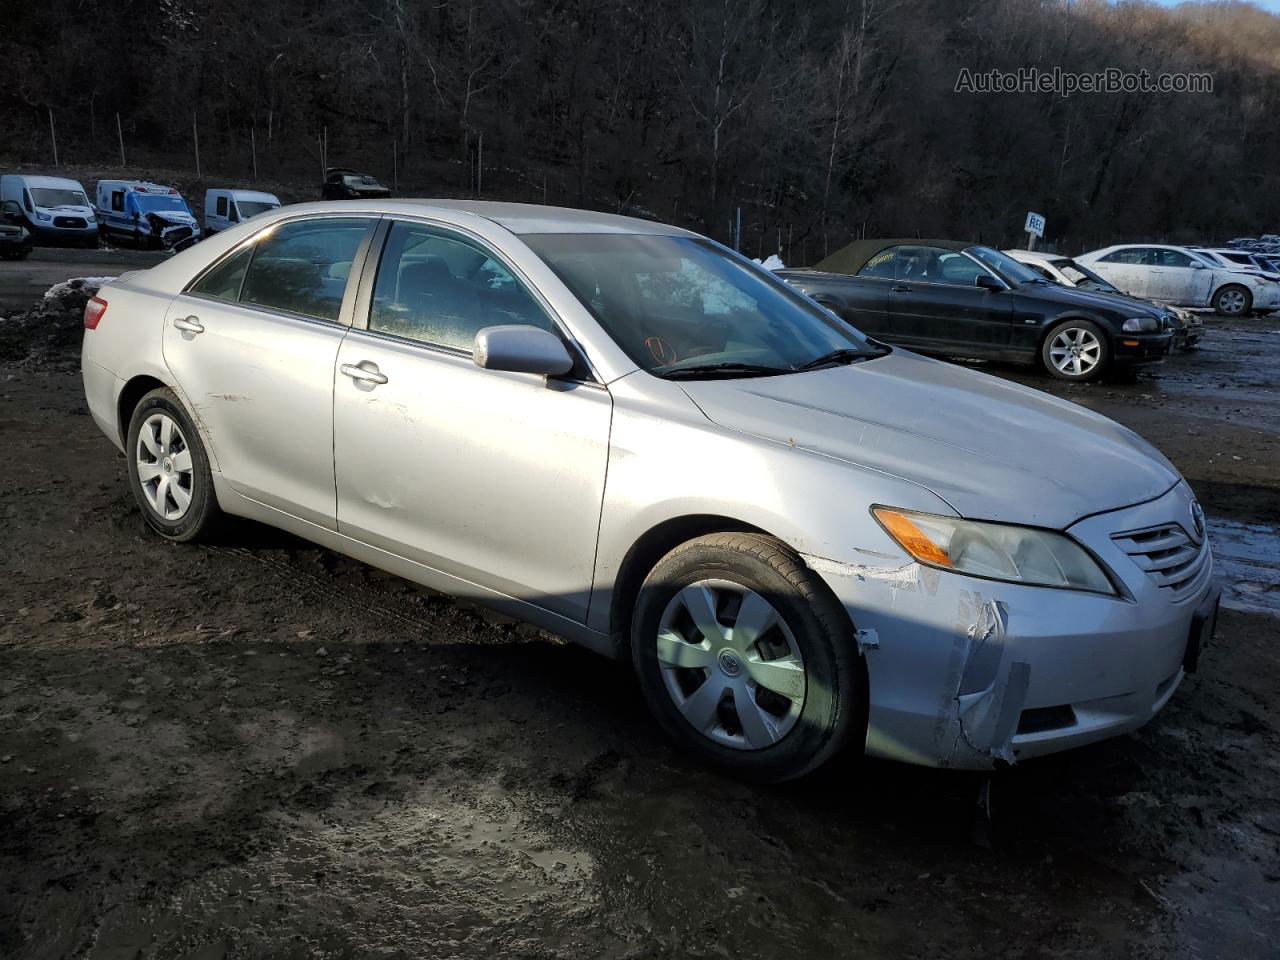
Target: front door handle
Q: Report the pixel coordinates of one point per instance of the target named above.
(190, 324)
(364, 371)
(900, 288)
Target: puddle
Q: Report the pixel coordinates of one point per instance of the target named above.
(1248, 561)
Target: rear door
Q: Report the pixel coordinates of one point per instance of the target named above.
(494, 478)
(936, 304)
(252, 344)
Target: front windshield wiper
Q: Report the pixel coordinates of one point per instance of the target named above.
(843, 355)
(696, 370)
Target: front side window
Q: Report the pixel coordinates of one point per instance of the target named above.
(1011, 270)
(677, 304)
(438, 288)
(1175, 258)
(222, 206)
(958, 269)
(302, 267)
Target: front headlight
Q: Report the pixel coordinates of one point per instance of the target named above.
(1141, 325)
(91, 218)
(996, 551)
(43, 216)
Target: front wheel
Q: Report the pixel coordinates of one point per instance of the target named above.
(1076, 350)
(1233, 301)
(169, 469)
(746, 659)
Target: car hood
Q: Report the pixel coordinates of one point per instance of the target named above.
(1074, 296)
(994, 450)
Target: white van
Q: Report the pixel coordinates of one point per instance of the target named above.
(226, 208)
(53, 208)
(146, 214)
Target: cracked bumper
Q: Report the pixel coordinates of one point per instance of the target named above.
(963, 672)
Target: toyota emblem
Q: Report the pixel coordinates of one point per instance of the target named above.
(1197, 519)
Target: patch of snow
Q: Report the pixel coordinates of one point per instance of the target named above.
(88, 284)
(772, 262)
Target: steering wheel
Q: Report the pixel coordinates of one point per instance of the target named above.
(662, 351)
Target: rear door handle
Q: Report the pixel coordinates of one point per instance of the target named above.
(190, 324)
(363, 373)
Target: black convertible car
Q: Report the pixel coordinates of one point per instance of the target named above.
(968, 300)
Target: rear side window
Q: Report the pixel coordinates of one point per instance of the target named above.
(441, 289)
(117, 200)
(1132, 255)
(303, 267)
(881, 265)
(223, 282)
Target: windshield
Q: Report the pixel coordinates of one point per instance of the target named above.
(360, 181)
(1083, 277)
(159, 201)
(251, 208)
(1003, 264)
(50, 197)
(680, 303)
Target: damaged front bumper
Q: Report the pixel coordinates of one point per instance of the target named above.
(965, 672)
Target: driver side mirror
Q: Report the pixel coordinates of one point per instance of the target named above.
(10, 208)
(988, 282)
(1197, 265)
(520, 348)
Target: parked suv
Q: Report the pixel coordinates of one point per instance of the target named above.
(967, 300)
(341, 183)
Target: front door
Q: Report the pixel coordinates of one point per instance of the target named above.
(252, 345)
(491, 477)
(936, 303)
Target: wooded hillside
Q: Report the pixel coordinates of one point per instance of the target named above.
(821, 119)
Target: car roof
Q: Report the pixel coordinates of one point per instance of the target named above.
(35, 181)
(518, 218)
(853, 257)
(1038, 255)
(247, 194)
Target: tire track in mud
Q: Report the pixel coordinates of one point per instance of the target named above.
(1247, 556)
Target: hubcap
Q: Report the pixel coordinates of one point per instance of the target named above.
(731, 664)
(164, 467)
(1232, 301)
(1075, 351)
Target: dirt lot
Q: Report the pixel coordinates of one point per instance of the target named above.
(260, 748)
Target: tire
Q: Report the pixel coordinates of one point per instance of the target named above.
(1233, 300)
(183, 478)
(814, 697)
(1076, 350)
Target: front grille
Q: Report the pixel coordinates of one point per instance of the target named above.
(1169, 556)
(1040, 719)
(70, 222)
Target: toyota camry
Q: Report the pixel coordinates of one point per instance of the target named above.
(804, 540)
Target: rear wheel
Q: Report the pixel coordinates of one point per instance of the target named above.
(1076, 350)
(1233, 301)
(745, 657)
(169, 469)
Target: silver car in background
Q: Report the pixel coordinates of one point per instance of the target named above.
(628, 435)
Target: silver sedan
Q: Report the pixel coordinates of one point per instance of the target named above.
(630, 436)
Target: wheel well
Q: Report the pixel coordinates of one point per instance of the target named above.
(133, 392)
(648, 550)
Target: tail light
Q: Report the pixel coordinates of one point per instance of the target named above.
(94, 311)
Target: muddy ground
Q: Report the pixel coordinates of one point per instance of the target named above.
(262, 749)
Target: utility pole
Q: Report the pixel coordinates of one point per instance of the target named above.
(195, 138)
(120, 136)
(253, 146)
(53, 135)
